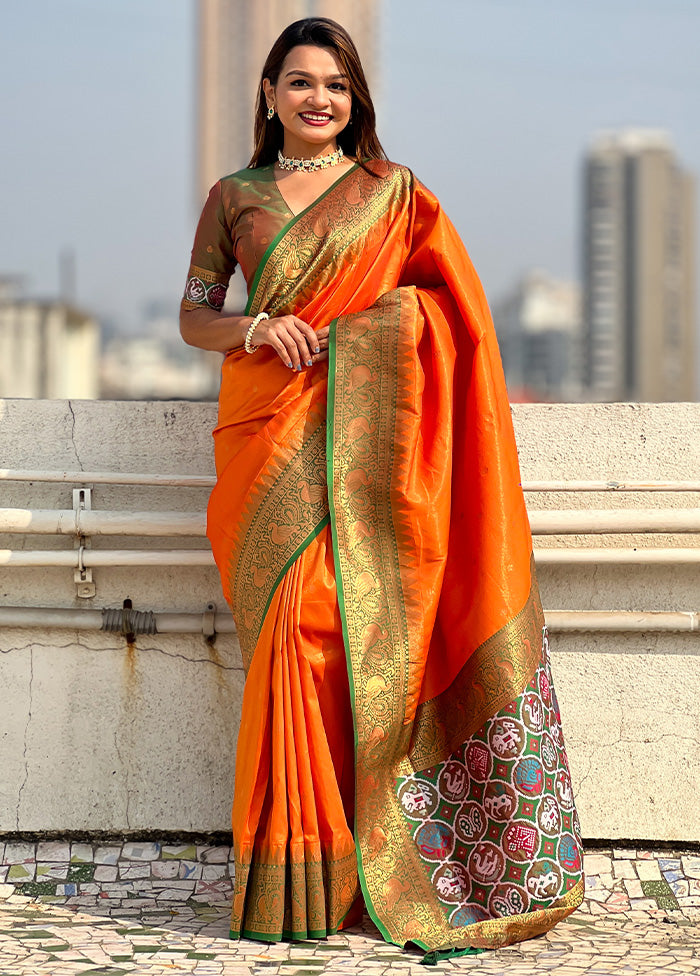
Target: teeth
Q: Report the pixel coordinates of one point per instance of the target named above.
(317, 118)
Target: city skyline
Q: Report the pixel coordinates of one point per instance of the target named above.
(491, 105)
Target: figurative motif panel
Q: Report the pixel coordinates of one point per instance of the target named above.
(495, 824)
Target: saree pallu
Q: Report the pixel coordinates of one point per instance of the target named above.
(400, 734)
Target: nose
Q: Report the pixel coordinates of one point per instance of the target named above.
(318, 97)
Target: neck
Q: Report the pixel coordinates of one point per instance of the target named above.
(305, 151)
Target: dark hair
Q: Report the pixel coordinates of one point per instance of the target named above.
(359, 137)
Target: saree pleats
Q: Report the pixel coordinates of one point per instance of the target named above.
(295, 853)
(400, 732)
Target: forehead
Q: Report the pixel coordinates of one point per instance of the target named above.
(311, 59)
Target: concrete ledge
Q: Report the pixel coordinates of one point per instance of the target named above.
(98, 735)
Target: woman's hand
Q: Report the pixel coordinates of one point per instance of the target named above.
(294, 341)
(322, 338)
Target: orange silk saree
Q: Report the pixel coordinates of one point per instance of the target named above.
(400, 735)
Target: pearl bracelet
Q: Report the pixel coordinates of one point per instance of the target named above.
(251, 329)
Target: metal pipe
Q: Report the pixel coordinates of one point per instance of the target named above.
(543, 522)
(559, 621)
(62, 618)
(110, 478)
(621, 621)
(616, 557)
(208, 481)
(611, 486)
(65, 618)
(614, 521)
(80, 522)
(191, 623)
(92, 558)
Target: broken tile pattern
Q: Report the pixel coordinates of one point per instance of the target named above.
(629, 880)
(116, 874)
(154, 909)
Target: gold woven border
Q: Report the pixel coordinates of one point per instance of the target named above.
(294, 900)
(319, 244)
(283, 512)
(495, 674)
(377, 593)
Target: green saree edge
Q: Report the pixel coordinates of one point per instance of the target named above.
(436, 956)
(284, 936)
(280, 234)
(332, 364)
(330, 419)
(290, 562)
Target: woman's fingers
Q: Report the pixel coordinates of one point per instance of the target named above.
(305, 340)
(294, 341)
(309, 335)
(268, 334)
(282, 335)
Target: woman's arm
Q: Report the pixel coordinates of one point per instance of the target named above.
(207, 329)
(294, 341)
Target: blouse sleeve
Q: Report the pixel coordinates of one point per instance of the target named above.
(212, 262)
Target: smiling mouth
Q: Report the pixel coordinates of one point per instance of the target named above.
(315, 118)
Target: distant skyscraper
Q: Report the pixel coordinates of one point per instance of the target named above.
(639, 270)
(538, 326)
(234, 37)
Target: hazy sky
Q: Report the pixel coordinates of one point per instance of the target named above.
(491, 102)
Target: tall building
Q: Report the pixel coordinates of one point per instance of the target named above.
(639, 270)
(538, 326)
(234, 37)
(48, 349)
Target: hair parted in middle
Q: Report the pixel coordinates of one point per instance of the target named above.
(359, 137)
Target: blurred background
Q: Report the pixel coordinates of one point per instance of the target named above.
(562, 138)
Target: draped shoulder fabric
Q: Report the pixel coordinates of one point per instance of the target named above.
(400, 737)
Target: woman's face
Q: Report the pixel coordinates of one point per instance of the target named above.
(313, 100)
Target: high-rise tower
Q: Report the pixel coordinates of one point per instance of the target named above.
(234, 37)
(639, 270)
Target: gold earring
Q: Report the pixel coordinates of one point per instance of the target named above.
(270, 111)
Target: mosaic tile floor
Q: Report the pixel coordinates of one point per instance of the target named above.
(162, 910)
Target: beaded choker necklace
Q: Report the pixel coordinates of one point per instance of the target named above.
(310, 165)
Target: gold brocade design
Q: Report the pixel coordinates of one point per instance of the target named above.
(322, 241)
(285, 509)
(296, 900)
(495, 932)
(376, 600)
(209, 277)
(305, 898)
(495, 673)
(364, 458)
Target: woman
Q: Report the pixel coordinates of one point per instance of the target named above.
(400, 742)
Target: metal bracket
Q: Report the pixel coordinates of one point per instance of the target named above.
(209, 622)
(82, 576)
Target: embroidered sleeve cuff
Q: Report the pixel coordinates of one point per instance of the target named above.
(204, 289)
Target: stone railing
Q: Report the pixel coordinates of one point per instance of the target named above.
(99, 733)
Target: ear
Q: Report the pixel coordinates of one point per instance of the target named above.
(269, 91)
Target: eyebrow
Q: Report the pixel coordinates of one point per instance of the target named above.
(307, 74)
